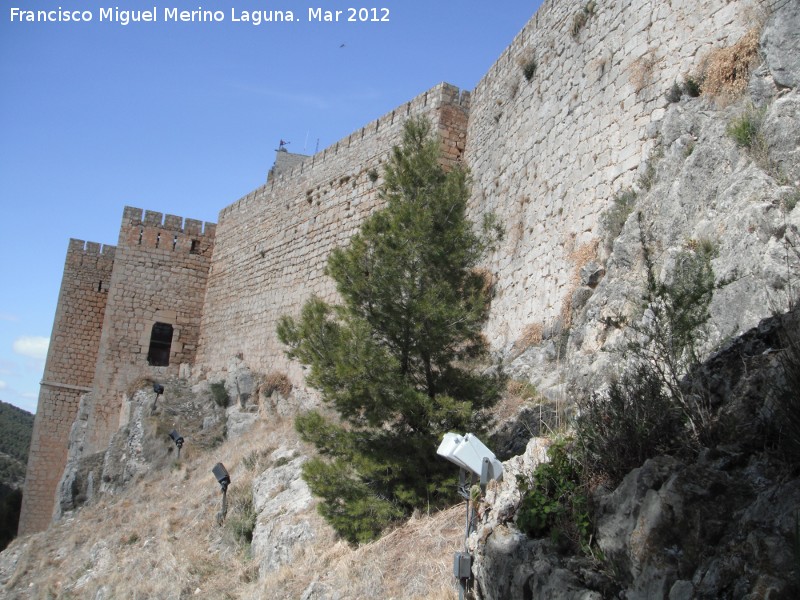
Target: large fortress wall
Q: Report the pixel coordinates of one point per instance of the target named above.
(272, 246)
(68, 373)
(548, 155)
(160, 274)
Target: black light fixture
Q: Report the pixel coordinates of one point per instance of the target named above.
(176, 437)
(158, 389)
(224, 480)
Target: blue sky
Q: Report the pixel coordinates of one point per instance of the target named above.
(184, 118)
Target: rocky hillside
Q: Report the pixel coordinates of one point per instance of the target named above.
(719, 520)
(716, 517)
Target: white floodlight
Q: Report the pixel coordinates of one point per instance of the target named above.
(471, 456)
(469, 453)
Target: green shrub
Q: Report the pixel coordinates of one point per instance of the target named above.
(529, 68)
(241, 518)
(634, 420)
(556, 503)
(791, 201)
(745, 129)
(691, 87)
(674, 93)
(220, 394)
(668, 341)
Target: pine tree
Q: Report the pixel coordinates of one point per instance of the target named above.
(391, 359)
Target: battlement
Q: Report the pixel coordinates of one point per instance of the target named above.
(150, 218)
(150, 229)
(82, 247)
(370, 139)
(547, 151)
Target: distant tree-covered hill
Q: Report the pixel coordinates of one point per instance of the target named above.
(16, 426)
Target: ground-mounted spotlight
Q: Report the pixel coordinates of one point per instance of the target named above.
(158, 389)
(224, 480)
(176, 437)
(476, 463)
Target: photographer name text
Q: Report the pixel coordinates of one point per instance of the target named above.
(200, 15)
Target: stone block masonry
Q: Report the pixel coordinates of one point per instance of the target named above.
(159, 276)
(272, 246)
(68, 373)
(549, 153)
(559, 125)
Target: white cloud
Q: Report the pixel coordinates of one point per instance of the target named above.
(9, 317)
(32, 346)
(3, 385)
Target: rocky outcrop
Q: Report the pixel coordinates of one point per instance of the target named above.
(282, 500)
(722, 525)
(142, 444)
(698, 186)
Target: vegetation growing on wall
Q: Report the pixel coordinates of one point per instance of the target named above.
(580, 18)
(645, 412)
(529, 67)
(391, 359)
(727, 70)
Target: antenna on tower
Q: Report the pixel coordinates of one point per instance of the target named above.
(317, 148)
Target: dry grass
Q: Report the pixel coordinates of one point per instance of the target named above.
(518, 394)
(641, 71)
(159, 539)
(276, 382)
(413, 561)
(580, 257)
(531, 336)
(726, 71)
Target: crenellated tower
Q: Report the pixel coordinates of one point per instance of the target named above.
(124, 313)
(152, 319)
(68, 373)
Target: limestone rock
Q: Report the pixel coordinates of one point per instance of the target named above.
(781, 44)
(239, 420)
(719, 524)
(281, 499)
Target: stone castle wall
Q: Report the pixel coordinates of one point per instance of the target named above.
(548, 155)
(272, 246)
(159, 276)
(68, 373)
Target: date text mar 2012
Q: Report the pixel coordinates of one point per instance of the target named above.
(364, 14)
